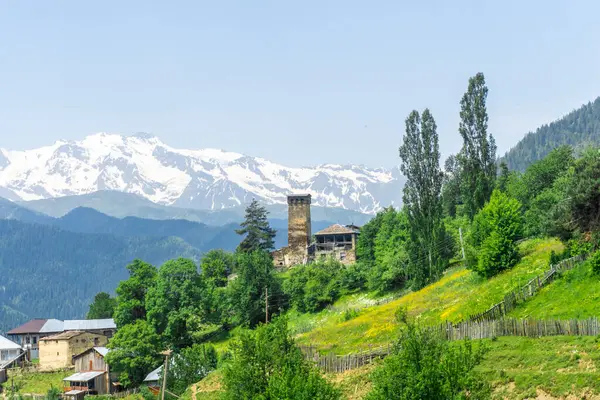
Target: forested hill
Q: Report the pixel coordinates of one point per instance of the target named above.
(47, 272)
(578, 129)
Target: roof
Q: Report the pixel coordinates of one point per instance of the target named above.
(83, 376)
(56, 325)
(32, 326)
(103, 351)
(154, 375)
(336, 229)
(63, 335)
(73, 392)
(6, 344)
(89, 324)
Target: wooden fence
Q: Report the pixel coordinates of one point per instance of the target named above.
(336, 364)
(520, 327)
(512, 299)
(332, 363)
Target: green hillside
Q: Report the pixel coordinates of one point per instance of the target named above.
(458, 294)
(578, 129)
(574, 295)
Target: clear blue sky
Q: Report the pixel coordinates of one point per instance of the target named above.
(300, 82)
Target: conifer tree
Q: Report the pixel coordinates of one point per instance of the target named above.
(259, 234)
(422, 197)
(478, 155)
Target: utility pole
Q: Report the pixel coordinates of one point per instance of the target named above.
(166, 353)
(462, 246)
(266, 305)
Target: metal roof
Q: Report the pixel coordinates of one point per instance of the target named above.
(73, 392)
(103, 351)
(6, 344)
(154, 375)
(57, 326)
(32, 326)
(89, 324)
(83, 376)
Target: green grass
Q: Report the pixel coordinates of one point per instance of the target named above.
(574, 295)
(35, 382)
(454, 297)
(520, 368)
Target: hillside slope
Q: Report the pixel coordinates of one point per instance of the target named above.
(578, 129)
(457, 295)
(47, 272)
(574, 295)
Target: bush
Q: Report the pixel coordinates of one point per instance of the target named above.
(314, 286)
(426, 367)
(495, 231)
(266, 364)
(595, 262)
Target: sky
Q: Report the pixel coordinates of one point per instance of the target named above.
(296, 82)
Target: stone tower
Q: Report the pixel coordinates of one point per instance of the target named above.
(299, 226)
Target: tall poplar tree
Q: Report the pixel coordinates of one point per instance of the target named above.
(478, 155)
(422, 197)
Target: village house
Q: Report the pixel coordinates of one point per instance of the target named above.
(92, 375)
(9, 351)
(152, 380)
(57, 351)
(337, 241)
(29, 334)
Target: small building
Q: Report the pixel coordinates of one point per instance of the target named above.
(80, 384)
(29, 334)
(92, 375)
(57, 351)
(337, 241)
(9, 352)
(152, 380)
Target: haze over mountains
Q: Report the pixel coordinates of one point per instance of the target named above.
(206, 179)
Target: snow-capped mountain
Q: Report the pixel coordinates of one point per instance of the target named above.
(204, 179)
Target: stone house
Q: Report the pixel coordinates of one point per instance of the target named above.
(29, 334)
(92, 375)
(337, 241)
(57, 351)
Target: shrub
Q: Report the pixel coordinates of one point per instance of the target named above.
(314, 286)
(595, 262)
(426, 367)
(495, 231)
(266, 364)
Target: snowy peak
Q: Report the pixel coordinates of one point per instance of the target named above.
(205, 179)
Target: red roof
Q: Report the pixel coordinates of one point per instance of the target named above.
(32, 326)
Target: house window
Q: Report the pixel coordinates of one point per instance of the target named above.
(27, 340)
(56, 341)
(34, 339)
(57, 353)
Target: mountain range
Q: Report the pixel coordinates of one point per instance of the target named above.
(205, 179)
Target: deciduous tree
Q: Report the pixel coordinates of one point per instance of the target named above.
(420, 164)
(131, 293)
(478, 155)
